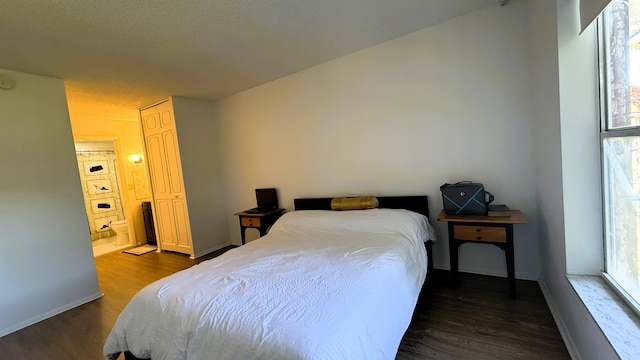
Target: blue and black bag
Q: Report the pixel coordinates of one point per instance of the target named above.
(465, 198)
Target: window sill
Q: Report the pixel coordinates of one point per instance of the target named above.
(619, 324)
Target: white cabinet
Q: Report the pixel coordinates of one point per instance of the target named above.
(186, 182)
(165, 169)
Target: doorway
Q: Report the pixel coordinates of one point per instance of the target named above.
(100, 179)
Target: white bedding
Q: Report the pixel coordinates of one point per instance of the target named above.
(320, 285)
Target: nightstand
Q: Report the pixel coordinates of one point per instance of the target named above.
(494, 230)
(260, 220)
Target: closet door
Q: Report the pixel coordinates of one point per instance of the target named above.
(174, 231)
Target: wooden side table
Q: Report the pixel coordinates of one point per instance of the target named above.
(494, 230)
(260, 220)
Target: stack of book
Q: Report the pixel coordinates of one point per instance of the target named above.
(498, 210)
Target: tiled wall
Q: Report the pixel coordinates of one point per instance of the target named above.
(100, 188)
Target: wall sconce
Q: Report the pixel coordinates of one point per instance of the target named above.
(137, 159)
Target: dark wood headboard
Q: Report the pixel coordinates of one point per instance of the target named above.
(419, 203)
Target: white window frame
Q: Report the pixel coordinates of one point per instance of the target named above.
(606, 132)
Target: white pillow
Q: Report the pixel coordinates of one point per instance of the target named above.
(386, 221)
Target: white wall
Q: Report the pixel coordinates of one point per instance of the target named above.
(196, 131)
(444, 104)
(46, 262)
(580, 125)
(555, 158)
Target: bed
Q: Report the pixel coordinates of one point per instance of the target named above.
(321, 284)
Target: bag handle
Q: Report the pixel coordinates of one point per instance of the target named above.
(459, 182)
(491, 197)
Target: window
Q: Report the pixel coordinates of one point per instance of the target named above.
(620, 136)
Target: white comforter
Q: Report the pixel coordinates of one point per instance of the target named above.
(320, 285)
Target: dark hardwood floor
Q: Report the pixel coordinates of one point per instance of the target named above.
(476, 321)
(479, 320)
(80, 333)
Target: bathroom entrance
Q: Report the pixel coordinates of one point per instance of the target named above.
(98, 167)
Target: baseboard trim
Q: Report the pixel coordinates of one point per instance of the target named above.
(48, 314)
(564, 332)
(520, 276)
(211, 249)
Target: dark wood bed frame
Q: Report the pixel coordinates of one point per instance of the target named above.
(417, 203)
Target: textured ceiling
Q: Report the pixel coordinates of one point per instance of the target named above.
(128, 54)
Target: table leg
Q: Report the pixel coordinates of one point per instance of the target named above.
(453, 256)
(243, 235)
(510, 254)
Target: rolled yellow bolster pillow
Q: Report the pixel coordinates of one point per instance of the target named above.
(354, 203)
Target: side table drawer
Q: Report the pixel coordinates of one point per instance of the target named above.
(250, 221)
(480, 233)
